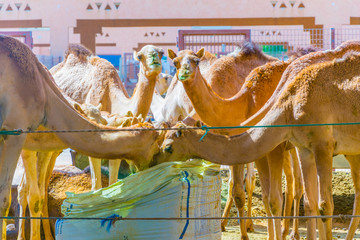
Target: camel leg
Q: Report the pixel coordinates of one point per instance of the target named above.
(308, 166)
(22, 200)
(355, 173)
(264, 176)
(229, 200)
(46, 162)
(275, 160)
(34, 198)
(250, 187)
(10, 149)
(298, 192)
(48, 230)
(289, 193)
(323, 155)
(238, 195)
(114, 170)
(95, 170)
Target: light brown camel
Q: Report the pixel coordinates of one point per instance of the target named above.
(321, 93)
(216, 111)
(30, 99)
(86, 78)
(226, 76)
(231, 105)
(163, 83)
(36, 176)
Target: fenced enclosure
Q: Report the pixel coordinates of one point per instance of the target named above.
(273, 41)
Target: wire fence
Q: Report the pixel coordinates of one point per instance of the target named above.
(344, 217)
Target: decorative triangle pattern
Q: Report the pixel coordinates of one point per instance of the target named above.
(117, 5)
(89, 7)
(282, 5)
(27, 8)
(9, 8)
(98, 5)
(292, 3)
(301, 5)
(108, 7)
(18, 5)
(1, 5)
(273, 3)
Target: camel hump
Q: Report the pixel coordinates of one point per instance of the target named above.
(19, 53)
(247, 48)
(301, 51)
(78, 50)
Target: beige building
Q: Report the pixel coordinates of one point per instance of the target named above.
(116, 27)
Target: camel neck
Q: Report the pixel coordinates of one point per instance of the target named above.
(143, 93)
(210, 106)
(61, 116)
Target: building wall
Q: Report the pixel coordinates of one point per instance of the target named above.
(118, 26)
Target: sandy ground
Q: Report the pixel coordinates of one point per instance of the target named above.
(343, 193)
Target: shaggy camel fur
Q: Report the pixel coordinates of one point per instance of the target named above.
(328, 86)
(89, 79)
(258, 87)
(30, 99)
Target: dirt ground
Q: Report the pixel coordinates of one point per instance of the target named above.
(343, 193)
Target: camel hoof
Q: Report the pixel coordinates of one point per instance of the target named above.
(223, 228)
(295, 236)
(244, 238)
(249, 226)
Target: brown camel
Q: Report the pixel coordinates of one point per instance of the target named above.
(36, 177)
(86, 78)
(258, 87)
(230, 106)
(327, 86)
(30, 99)
(226, 76)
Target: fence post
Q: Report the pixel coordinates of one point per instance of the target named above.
(332, 36)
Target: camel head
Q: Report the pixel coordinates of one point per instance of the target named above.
(91, 112)
(186, 63)
(175, 146)
(150, 59)
(163, 83)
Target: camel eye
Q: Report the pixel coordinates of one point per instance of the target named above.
(178, 133)
(176, 64)
(197, 61)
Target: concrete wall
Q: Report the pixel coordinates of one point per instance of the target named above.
(118, 26)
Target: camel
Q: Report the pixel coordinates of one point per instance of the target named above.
(86, 78)
(36, 177)
(30, 99)
(320, 93)
(202, 93)
(163, 83)
(226, 76)
(258, 86)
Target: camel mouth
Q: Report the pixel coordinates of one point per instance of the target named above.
(155, 63)
(183, 77)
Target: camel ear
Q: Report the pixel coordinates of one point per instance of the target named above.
(137, 55)
(103, 121)
(78, 108)
(198, 123)
(161, 52)
(178, 133)
(200, 53)
(171, 54)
